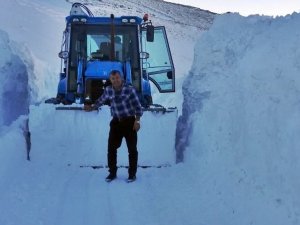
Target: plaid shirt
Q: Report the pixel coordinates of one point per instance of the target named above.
(123, 103)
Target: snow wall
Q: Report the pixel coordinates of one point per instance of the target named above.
(14, 70)
(240, 126)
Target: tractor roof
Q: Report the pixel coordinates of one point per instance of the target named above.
(134, 20)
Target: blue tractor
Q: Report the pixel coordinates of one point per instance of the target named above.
(94, 46)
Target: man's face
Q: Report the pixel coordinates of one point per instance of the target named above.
(116, 80)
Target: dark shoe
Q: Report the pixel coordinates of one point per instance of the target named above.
(110, 177)
(131, 178)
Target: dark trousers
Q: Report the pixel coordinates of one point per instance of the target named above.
(118, 130)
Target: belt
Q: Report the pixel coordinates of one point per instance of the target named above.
(120, 119)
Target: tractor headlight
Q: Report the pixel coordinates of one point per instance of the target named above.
(75, 20)
(63, 54)
(124, 20)
(144, 55)
(132, 20)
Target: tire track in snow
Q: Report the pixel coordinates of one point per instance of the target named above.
(72, 199)
(134, 203)
(98, 201)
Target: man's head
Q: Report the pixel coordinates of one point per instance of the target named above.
(116, 79)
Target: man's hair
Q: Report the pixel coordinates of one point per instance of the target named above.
(113, 72)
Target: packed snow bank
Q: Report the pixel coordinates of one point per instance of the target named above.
(76, 137)
(14, 90)
(12, 156)
(28, 62)
(37, 26)
(241, 103)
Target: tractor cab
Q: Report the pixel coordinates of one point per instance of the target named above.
(94, 46)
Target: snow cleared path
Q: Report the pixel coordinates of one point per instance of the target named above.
(52, 188)
(45, 193)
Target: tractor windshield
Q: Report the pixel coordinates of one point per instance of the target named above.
(93, 42)
(98, 47)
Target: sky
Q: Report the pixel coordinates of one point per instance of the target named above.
(246, 7)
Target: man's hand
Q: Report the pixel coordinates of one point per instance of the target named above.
(136, 125)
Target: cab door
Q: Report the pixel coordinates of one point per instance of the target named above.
(159, 64)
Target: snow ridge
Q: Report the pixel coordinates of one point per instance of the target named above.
(241, 104)
(14, 92)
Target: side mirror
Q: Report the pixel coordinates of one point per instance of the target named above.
(63, 54)
(144, 55)
(150, 33)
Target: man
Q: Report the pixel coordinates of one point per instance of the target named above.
(126, 111)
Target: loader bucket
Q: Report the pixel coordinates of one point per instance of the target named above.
(79, 138)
